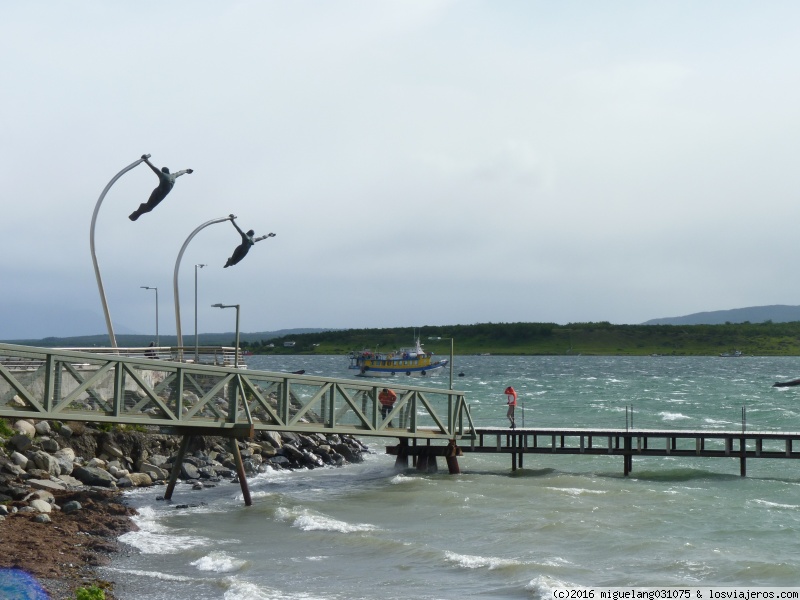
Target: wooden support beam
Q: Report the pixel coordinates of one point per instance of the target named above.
(237, 457)
(176, 466)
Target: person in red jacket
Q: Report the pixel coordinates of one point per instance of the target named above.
(387, 399)
(511, 401)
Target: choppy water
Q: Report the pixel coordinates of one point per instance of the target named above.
(366, 531)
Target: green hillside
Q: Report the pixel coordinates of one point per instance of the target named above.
(764, 339)
(761, 339)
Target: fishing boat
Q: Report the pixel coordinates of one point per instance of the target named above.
(414, 362)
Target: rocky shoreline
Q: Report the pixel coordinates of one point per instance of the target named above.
(61, 485)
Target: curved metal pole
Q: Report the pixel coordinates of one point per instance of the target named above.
(94, 256)
(175, 278)
(196, 338)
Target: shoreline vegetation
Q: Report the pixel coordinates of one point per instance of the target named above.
(549, 339)
(61, 492)
(520, 339)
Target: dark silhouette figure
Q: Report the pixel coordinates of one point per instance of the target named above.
(166, 181)
(247, 242)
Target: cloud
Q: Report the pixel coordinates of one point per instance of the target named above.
(433, 162)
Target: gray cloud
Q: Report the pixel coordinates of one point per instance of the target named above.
(421, 162)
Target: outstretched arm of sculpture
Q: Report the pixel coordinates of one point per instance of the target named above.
(179, 173)
(263, 237)
(235, 225)
(149, 164)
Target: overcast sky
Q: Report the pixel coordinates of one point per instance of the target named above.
(421, 162)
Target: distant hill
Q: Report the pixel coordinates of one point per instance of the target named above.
(138, 341)
(777, 313)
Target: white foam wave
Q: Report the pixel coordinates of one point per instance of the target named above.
(477, 562)
(311, 521)
(671, 416)
(769, 504)
(157, 543)
(245, 590)
(218, 562)
(555, 561)
(147, 520)
(398, 479)
(544, 586)
(577, 491)
(151, 574)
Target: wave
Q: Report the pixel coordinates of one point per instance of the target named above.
(671, 416)
(151, 574)
(681, 474)
(159, 543)
(246, 590)
(577, 491)
(308, 520)
(769, 504)
(478, 562)
(218, 562)
(543, 586)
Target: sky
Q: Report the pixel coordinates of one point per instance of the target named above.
(430, 162)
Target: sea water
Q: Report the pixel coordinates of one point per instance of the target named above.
(368, 531)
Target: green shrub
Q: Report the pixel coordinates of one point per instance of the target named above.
(5, 430)
(92, 593)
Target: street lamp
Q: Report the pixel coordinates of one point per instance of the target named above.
(451, 356)
(236, 306)
(175, 294)
(145, 287)
(195, 312)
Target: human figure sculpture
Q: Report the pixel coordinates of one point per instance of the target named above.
(248, 241)
(166, 181)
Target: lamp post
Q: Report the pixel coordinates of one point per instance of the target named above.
(175, 279)
(112, 338)
(451, 356)
(145, 287)
(236, 306)
(196, 338)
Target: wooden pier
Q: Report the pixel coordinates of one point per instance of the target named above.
(627, 443)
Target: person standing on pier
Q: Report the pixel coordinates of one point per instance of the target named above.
(387, 399)
(511, 401)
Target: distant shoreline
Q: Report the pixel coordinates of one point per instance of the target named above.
(507, 339)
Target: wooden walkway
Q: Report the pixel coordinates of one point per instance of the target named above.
(627, 443)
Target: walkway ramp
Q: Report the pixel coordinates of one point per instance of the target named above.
(66, 385)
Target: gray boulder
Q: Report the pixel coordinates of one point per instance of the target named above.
(48, 444)
(40, 505)
(280, 462)
(71, 507)
(189, 471)
(46, 485)
(47, 463)
(140, 479)
(94, 476)
(42, 428)
(21, 442)
(274, 438)
(154, 471)
(19, 459)
(25, 428)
